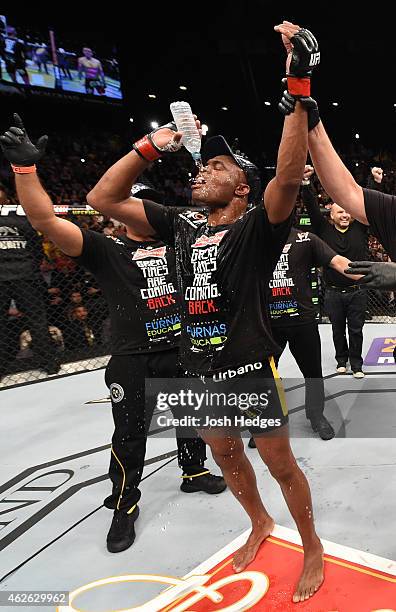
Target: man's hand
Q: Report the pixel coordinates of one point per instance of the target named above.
(308, 172)
(380, 276)
(165, 139)
(377, 174)
(302, 49)
(17, 146)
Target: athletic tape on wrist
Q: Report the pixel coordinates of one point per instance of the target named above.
(24, 169)
(299, 87)
(146, 149)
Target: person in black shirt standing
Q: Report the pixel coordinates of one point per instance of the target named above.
(345, 301)
(294, 316)
(20, 279)
(370, 207)
(225, 259)
(136, 273)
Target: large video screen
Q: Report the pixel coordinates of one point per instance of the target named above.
(69, 63)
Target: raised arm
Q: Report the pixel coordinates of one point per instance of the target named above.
(23, 154)
(281, 193)
(111, 195)
(333, 174)
(302, 54)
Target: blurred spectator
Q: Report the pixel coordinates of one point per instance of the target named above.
(21, 281)
(78, 334)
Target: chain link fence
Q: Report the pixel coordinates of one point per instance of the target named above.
(57, 322)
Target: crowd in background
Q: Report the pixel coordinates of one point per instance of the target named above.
(76, 311)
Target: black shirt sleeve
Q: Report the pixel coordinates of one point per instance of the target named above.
(309, 198)
(381, 215)
(161, 219)
(322, 254)
(275, 236)
(94, 251)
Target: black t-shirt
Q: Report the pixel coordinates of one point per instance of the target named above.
(381, 215)
(138, 281)
(223, 275)
(20, 249)
(351, 243)
(290, 301)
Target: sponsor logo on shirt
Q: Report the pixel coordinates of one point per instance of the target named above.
(204, 241)
(303, 237)
(193, 217)
(10, 238)
(287, 248)
(157, 328)
(149, 252)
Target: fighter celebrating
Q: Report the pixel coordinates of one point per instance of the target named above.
(225, 259)
(93, 70)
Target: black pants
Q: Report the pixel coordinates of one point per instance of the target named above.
(347, 308)
(125, 377)
(29, 298)
(305, 346)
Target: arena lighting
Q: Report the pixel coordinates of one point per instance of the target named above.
(267, 103)
(183, 87)
(357, 163)
(154, 124)
(335, 103)
(152, 96)
(131, 119)
(205, 129)
(357, 136)
(82, 160)
(224, 108)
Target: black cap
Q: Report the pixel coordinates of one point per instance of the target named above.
(146, 191)
(217, 145)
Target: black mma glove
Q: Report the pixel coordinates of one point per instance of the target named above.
(18, 148)
(376, 275)
(149, 151)
(305, 56)
(288, 104)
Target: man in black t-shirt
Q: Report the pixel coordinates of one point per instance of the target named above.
(345, 301)
(294, 316)
(20, 279)
(137, 276)
(225, 256)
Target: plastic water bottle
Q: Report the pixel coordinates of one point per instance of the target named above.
(185, 122)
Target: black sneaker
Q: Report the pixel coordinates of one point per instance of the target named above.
(322, 426)
(122, 531)
(208, 483)
(252, 443)
(111, 501)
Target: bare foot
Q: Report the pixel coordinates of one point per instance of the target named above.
(248, 551)
(312, 576)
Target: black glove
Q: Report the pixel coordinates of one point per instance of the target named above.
(149, 151)
(305, 54)
(17, 146)
(376, 275)
(287, 106)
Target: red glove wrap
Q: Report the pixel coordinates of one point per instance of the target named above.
(299, 87)
(146, 149)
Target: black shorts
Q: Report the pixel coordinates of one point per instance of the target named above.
(95, 84)
(250, 396)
